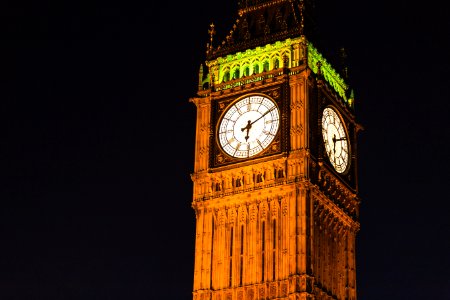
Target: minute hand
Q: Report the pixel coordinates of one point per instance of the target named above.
(262, 116)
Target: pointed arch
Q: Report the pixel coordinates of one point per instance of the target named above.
(236, 73)
(226, 75)
(256, 67)
(266, 65)
(246, 71)
(276, 62)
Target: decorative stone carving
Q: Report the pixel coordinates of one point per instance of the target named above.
(221, 218)
(273, 290)
(253, 212)
(263, 209)
(250, 294)
(274, 207)
(242, 215)
(284, 290)
(262, 292)
(240, 295)
(285, 207)
(204, 127)
(231, 215)
(296, 129)
(296, 104)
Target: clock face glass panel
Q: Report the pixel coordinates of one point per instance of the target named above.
(248, 126)
(335, 140)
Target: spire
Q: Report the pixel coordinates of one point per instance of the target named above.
(200, 78)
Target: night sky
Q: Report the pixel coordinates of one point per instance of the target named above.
(97, 144)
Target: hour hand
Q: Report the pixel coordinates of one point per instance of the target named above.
(249, 125)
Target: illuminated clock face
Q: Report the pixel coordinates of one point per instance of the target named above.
(335, 139)
(248, 126)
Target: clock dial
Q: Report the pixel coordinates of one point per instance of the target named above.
(335, 140)
(248, 126)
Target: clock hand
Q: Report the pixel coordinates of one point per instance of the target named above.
(249, 125)
(334, 143)
(341, 139)
(263, 115)
(337, 140)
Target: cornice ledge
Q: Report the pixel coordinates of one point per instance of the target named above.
(329, 204)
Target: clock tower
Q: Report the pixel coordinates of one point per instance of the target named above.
(275, 188)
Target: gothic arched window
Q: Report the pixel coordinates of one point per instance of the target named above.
(256, 68)
(266, 66)
(246, 71)
(236, 73)
(226, 76)
(238, 182)
(276, 63)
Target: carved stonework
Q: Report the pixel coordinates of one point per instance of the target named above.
(223, 105)
(250, 294)
(203, 150)
(221, 218)
(242, 215)
(253, 213)
(231, 216)
(274, 207)
(273, 290)
(275, 94)
(302, 284)
(240, 295)
(204, 127)
(285, 207)
(284, 290)
(296, 105)
(296, 129)
(263, 210)
(262, 292)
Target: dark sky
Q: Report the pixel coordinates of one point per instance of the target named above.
(97, 141)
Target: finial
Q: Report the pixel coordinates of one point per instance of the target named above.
(319, 68)
(343, 56)
(212, 32)
(302, 16)
(351, 99)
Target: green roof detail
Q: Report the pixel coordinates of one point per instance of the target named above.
(329, 74)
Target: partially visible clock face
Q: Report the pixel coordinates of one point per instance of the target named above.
(248, 126)
(335, 140)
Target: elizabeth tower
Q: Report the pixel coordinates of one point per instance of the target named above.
(275, 176)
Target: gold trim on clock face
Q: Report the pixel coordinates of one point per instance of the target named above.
(248, 126)
(335, 140)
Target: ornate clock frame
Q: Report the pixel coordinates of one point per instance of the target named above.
(279, 93)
